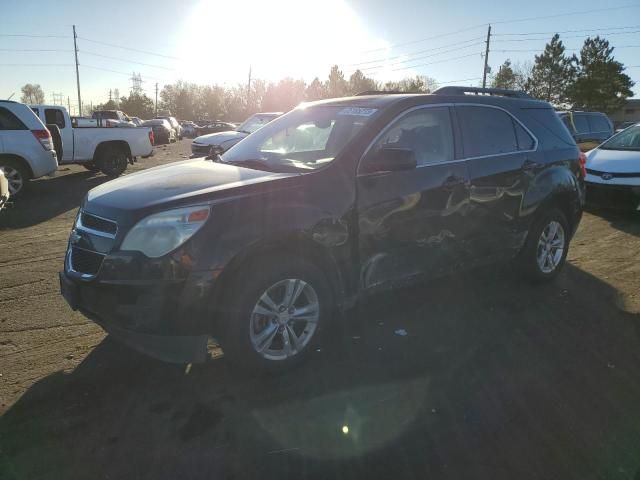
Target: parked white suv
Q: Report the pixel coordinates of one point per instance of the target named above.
(26, 146)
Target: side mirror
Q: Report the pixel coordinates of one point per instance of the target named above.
(390, 159)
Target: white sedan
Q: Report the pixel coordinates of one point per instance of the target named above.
(613, 171)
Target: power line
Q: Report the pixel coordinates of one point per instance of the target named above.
(33, 50)
(415, 53)
(569, 36)
(32, 36)
(427, 64)
(128, 48)
(84, 52)
(564, 31)
(37, 64)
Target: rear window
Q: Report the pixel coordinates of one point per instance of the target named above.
(581, 123)
(599, 123)
(55, 116)
(8, 121)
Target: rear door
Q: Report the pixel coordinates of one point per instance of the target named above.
(600, 128)
(501, 156)
(412, 222)
(586, 138)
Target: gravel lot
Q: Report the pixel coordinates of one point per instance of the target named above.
(494, 379)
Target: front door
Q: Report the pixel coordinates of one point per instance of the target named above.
(412, 222)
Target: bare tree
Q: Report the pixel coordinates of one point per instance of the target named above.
(32, 93)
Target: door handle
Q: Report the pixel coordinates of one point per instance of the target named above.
(452, 182)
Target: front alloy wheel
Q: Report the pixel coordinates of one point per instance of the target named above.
(284, 319)
(546, 247)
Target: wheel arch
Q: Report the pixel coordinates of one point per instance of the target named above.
(21, 160)
(118, 144)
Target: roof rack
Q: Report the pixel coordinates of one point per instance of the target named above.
(378, 92)
(500, 92)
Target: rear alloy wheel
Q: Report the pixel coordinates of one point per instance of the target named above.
(545, 250)
(275, 313)
(16, 176)
(112, 162)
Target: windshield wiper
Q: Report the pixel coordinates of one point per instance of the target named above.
(253, 163)
(244, 131)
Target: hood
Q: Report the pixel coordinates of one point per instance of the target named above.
(220, 137)
(172, 183)
(613, 161)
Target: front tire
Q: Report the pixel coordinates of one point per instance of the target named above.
(275, 314)
(546, 248)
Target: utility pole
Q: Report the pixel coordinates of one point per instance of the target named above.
(156, 100)
(486, 59)
(69, 104)
(75, 49)
(109, 95)
(249, 88)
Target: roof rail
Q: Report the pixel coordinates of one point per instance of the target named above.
(378, 92)
(500, 92)
(7, 101)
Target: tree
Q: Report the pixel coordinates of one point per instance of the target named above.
(316, 90)
(137, 105)
(359, 83)
(602, 84)
(336, 85)
(283, 96)
(32, 93)
(553, 73)
(505, 78)
(417, 84)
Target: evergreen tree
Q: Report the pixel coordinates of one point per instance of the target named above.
(553, 73)
(336, 85)
(506, 77)
(359, 83)
(316, 90)
(602, 84)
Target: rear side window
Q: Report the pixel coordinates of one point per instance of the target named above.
(599, 123)
(53, 115)
(581, 123)
(547, 127)
(525, 141)
(36, 111)
(8, 121)
(486, 131)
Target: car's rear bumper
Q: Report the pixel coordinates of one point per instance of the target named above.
(45, 164)
(613, 196)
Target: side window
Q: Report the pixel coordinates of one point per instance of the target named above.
(581, 123)
(8, 121)
(599, 123)
(486, 131)
(53, 115)
(426, 131)
(36, 111)
(525, 142)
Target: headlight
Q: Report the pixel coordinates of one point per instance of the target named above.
(158, 234)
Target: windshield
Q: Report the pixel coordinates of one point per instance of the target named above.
(255, 122)
(629, 139)
(304, 139)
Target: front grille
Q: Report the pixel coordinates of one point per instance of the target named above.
(598, 173)
(98, 224)
(84, 261)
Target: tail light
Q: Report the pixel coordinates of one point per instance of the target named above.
(152, 138)
(582, 158)
(44, 137)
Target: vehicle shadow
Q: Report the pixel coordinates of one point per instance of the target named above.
(46, 198)
(475, 376)
(623, 220)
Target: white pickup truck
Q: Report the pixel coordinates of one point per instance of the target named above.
(109, 150)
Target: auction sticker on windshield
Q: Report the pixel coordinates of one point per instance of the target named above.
(359, 111)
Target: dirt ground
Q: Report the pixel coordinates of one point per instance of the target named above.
(494, 378)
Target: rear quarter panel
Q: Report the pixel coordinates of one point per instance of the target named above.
(86, 140)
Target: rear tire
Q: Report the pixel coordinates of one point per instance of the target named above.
(264, 330)
(112, 161)
(545, 251)
(91, 166)
(17, 175)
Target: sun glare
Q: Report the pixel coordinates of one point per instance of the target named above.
(279, 38)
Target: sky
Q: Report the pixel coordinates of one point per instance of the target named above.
(217, 42)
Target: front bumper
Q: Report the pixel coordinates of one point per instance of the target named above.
(169, 321)
(613, 196)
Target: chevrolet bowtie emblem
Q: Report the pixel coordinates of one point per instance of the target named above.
(75, 237)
